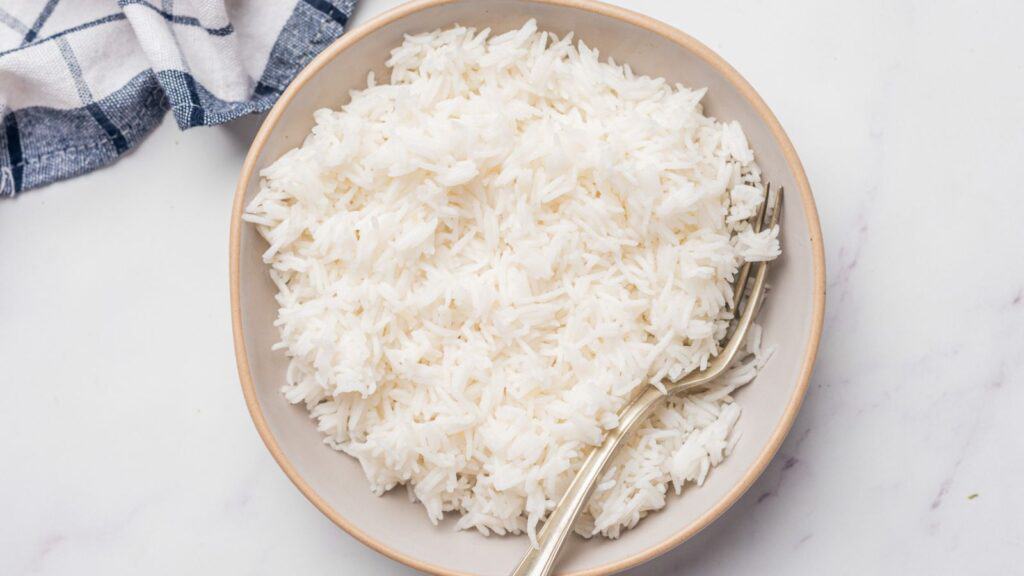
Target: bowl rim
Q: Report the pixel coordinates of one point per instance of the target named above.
(651, 25)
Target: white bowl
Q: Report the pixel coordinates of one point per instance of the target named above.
(792, 317)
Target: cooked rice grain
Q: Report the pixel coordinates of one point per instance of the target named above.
(480, 260)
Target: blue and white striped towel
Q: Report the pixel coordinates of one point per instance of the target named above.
(83, 81)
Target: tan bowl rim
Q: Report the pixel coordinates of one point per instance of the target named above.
(652, 25)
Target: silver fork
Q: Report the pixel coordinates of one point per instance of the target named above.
(540, 561)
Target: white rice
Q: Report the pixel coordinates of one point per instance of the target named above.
(479, 261)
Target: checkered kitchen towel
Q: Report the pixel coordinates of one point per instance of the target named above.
(83, 81)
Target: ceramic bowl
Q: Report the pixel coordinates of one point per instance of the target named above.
(792, 317)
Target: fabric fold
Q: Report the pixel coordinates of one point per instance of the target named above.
(82, 82)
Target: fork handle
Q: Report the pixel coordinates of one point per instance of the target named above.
(541, 560)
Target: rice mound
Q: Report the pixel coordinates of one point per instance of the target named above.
(481, 260)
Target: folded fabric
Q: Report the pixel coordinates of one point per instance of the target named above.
(83, 81)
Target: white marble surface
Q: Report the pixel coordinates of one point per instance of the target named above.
(126, 447)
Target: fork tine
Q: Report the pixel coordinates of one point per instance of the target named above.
(772, 223)
(744, 274)
(756, 298)
(750, 305)
(759, 223)
(776, 208)
(738, 331)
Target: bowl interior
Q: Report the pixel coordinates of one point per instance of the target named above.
(791, 317)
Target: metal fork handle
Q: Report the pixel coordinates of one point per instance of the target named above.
(540, 561)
